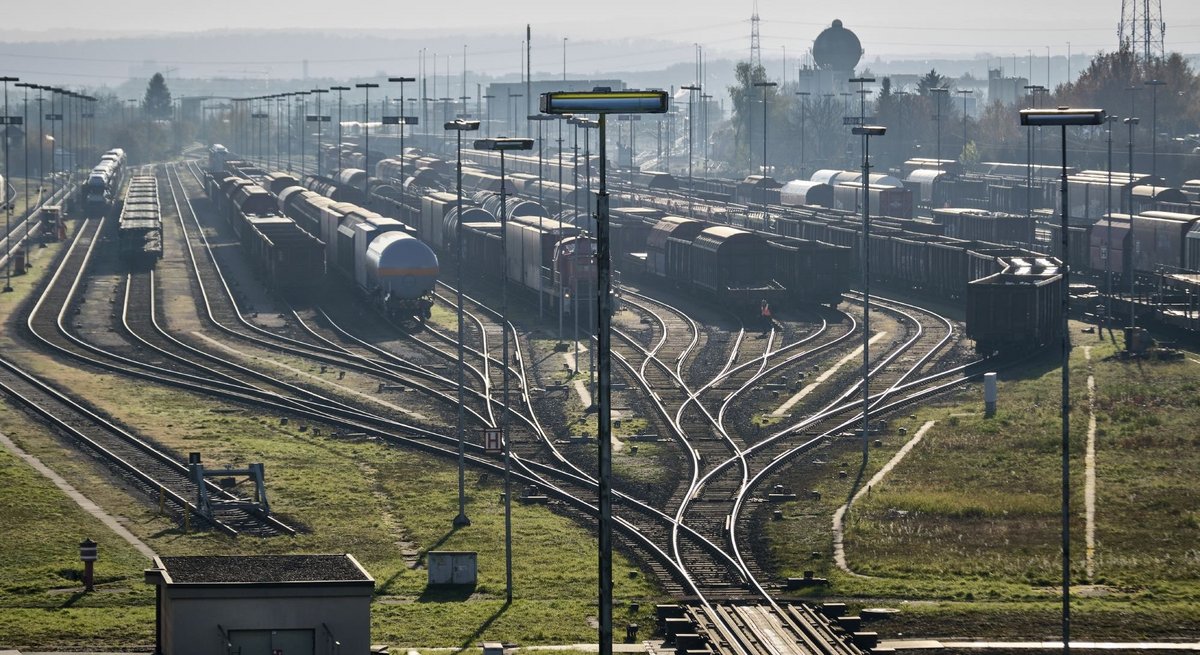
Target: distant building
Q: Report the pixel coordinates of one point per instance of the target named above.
(836, 51)
(1008, 90)
(505, 106)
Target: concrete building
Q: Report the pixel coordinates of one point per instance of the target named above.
(262, 605)
(1008, 90)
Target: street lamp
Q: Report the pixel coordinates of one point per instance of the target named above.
(459, 127)
(938, 92)
(366, 87)
(603, 102)
(1064, 117)
(1154, 84)
(866, 132)
(1132, 122)
(503, 145)
(765, 86)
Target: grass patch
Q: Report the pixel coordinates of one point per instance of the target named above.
(973, 512)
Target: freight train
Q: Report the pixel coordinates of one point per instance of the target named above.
(295, 235)
(737, 268)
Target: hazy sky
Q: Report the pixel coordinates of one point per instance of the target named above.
(891, 27)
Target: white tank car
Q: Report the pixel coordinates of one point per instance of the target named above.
(401, 271)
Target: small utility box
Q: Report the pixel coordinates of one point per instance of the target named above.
(493, 648)
(452, 567)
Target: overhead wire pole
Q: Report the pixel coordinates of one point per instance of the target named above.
(603, 102)
(1064, 117)
(459, 126)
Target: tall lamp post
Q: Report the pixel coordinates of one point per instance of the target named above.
(339, 90)
(1108, 123)
(803, 95)
(318, 119)
(1154, 84)
(1033, 90)
(8, 122)
(512, 114)
(366, 87)
(459, 127)
(1064, 117)
(25, 142)
(603, 102)
(866, 132)
(1132, 122)
(964, 93)
(939, 92)
(402, 120)
(764, 86)
(706, 101)
(487, 130)
(503, 145)
(539, 119)
(691, 89)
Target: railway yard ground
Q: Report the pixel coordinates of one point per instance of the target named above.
(961, 536)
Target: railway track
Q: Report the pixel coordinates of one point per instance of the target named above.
(132, 457)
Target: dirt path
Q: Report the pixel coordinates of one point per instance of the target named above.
(839, 552)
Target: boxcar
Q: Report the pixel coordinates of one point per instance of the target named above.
(1018, 309)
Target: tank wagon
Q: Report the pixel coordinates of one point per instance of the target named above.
(379, 256)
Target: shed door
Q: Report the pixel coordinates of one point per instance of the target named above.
(271, 642)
